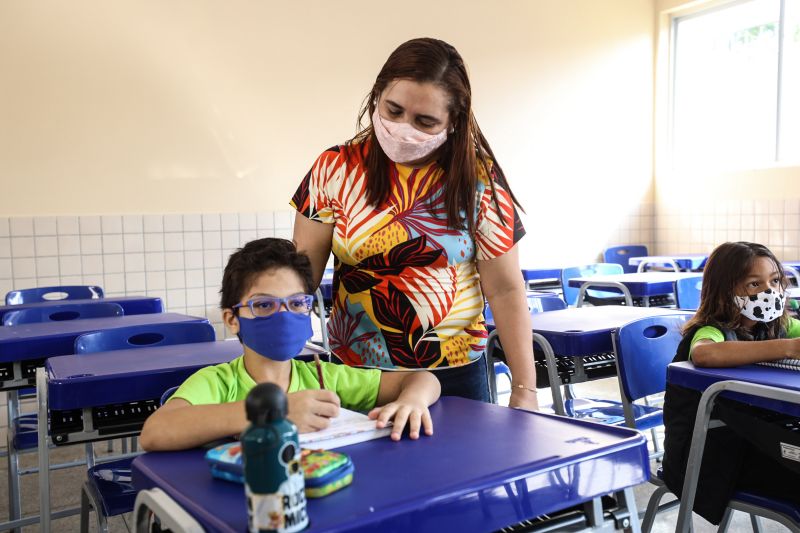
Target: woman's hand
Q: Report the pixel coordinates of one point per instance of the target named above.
(524, 399)
(403, 412)
(312, 410)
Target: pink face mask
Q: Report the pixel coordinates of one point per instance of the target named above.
(402, 142)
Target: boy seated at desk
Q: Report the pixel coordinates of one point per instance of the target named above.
(266, 303)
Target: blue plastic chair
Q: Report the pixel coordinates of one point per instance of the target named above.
(53, 294)
(643, 348)
(61, 312)
(621, 254)
(108, 489)
(687, 293)
(538, 302)
(594, 269)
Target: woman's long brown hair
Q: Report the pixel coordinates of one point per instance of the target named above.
(427, 60)
(727, 267)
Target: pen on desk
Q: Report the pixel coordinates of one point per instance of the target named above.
(319, 371)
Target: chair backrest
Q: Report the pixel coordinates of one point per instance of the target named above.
(644, 348)
(56, 293)
(687, 293)
(168, 394)
(537, 303)
(594, 269)
(62, 312)
(621, 254)
(145, 335)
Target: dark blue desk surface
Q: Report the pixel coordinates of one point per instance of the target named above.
(587, 330)
(684, 261)
(689, 376)
(36, 341)
(640, 283)
(484, 468)
(102, 378)
(531, 274)
(131, 305)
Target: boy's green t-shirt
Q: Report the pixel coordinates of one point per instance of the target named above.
(357, 388)
(716, 335)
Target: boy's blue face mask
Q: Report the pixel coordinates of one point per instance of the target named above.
(279, 336)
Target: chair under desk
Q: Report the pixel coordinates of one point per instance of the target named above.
(582, 332)
(486, 467)
(131, 305)
(770, 388)
(684, 263)
(105, 395)
(637, 285)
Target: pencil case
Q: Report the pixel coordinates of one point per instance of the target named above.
(325, 471)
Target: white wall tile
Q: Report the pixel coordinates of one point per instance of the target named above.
(69, 226)
(194, 278)
(193, 259)
(213, 277)
(47, 266)
(153, 224)
(6, 285)
(265, 220)
(69, 245)
(228, 221)
(154, 261)
(111, 223)
(134, 262)
(90, 244)
(212, 297)
(5, 229)
(192, 223)
(91, 264)
(21, 226)
(230, 239)
(286, 233)
(284, 219)
(5, 270)
(69, 265)
(50, 281)
(46, 246)
(153, 242)
(265, 232)
(176, 280)
(22, 247)
(114, 283)
(211, 222)
(132, 224)
(135, 281)
(133, 242)
(173, 242)
(792, 206)
(196, 297)
(5, 247)
(93, 279)
(791, 221)
(212, 240)
(246, 236)
(90, 225)
(173, 260)
(173, 222)
(156, 281)
(113, 263)
(247, 221)
(44, 226)
(212, 258)
(112, 244)
(193, 240)
(23, 283)
(176, 298)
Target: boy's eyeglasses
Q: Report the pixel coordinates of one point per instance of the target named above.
(269, 305)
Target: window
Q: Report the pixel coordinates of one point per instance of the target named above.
(736, 85)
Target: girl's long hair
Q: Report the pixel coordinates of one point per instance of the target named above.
(427, 60)
(727, 267)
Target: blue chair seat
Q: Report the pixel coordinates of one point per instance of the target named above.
(25, 432)
(611, 413)
(779, 506)
(113, 481)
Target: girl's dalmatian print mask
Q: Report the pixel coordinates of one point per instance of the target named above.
(762, 307)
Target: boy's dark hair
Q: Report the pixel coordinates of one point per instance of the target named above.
(257, 257)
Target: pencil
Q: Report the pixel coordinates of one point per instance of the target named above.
(319, 371)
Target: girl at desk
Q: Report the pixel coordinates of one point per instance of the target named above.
(423, 225)
(742, 319)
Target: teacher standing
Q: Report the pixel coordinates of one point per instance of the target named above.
(423, 226)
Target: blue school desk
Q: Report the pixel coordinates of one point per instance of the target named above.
(580, 332)
(132, 305)
(688, 262)
(638, 285)
(484, 468)
(545, 278)
(776, 389)
(105, 395)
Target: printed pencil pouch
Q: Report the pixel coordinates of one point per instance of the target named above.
(325, 471)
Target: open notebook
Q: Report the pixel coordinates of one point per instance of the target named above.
(350, 427)
(788, 363)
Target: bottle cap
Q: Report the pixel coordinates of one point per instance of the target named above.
(266, 403)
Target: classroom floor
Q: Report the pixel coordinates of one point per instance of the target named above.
(65, 484)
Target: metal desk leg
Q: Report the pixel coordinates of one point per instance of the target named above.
(323, 320)
(609, 284)
(43, 451)
(552, 373)
(14, 498)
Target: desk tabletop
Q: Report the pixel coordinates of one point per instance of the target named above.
(103, 378)
(639, 283)
(485, 467)
(687, 375)
(587, 330)
(36, 341)
(684, 261)
(131, 305)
